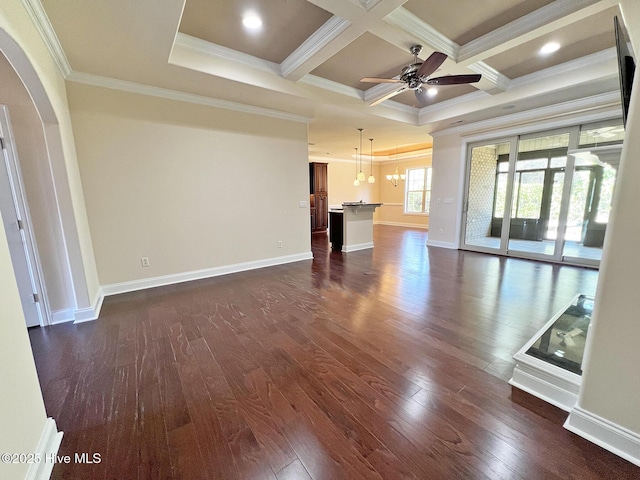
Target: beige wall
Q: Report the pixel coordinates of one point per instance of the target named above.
(188, 186)
(392, 210)
(341, 175)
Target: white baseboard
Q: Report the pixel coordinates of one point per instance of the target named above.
(602, 432)
(62, 316)
(356, 247)
(90, 313)
(553, 385)
(142, 284)
(436, 243)
(401, 224)
(47, 448)
(78, 315)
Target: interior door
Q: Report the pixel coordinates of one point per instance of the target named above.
(12, 207)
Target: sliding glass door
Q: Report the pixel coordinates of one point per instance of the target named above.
(541, 196)
(487, 186)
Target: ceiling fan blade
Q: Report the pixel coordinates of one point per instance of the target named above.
(380, 80)
(431, 64)
(388, 96)
(454, 79)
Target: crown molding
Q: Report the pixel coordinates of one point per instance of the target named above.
(141, 89)
(522, 26)
(489, 73)
(579, 65)
(590, 108)
(43, 25)
(332, 86)
(407, 21)
(312, 45)
(213, 50)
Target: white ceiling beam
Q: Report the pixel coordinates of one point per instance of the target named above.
(547, 19)
(349, 22)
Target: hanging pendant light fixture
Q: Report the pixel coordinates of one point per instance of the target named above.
(356, 182)
(361, 177)
(371, 178)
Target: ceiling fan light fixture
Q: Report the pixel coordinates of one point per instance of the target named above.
(432, 92)
(549, 48)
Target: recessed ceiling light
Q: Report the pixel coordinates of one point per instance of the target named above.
(550, 47)
(432, 92)
(252, 21)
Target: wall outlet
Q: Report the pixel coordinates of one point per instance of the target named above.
(144, 261)
(279, 243)
(441, 231)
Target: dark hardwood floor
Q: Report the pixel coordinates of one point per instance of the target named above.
(386, 363)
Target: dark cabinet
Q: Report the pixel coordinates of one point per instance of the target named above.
(318, 200)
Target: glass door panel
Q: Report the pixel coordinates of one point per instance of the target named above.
(486, 196)
(589, 209)
(537, 195)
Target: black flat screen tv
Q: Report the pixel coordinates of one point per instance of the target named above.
(626, 67)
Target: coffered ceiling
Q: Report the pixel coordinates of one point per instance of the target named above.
(307, 58)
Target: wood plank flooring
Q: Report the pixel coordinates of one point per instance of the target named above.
(389, 363)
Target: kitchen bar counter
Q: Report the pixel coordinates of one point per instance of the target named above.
(351, 228)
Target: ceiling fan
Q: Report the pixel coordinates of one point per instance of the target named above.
(415, 75)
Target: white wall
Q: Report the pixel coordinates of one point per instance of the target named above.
(190, 187)
(611, 380)
(448, 169)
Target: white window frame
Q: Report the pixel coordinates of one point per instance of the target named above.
(426, 191)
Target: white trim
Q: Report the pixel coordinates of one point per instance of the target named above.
(523, 28)
(141, 89)
(357, 246)
(517, 121)
(48, 34)
(62, 316)
(502, 82)
(90, 313)
(332, 86)
(440, 244)
(559, 390)
(142, 284)
(602, 432)
(216, 51)
(418, 28)
(401, 224)
(48, 446)
(312, 45)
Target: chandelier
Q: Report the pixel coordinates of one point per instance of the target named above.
(396, 177)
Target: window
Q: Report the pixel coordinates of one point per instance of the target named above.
(418, 190)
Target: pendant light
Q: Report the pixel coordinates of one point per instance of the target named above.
(356, 182)
(371, 178)
(361, 177)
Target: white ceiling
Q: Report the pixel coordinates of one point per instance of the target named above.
(308, 59)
